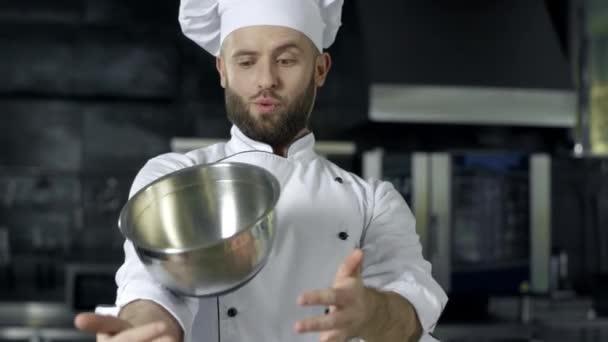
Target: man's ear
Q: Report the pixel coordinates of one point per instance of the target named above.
(322, 66)
(221, 69)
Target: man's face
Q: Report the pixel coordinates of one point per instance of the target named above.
(270, 75)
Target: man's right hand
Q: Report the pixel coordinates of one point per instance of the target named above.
(113, 329)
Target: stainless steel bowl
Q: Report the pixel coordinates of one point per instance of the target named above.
(205, 230)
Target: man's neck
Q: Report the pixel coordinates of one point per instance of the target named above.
(283, 149)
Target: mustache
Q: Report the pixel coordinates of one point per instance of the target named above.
(267, 93)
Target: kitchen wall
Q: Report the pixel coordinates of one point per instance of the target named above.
(92, 89)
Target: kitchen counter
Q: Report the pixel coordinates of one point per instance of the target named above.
(43, 334)
(484, 331)
(36, 315)
(39, 322)
(53, 322)
(573, 330)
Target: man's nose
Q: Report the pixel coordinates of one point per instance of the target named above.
(267, 76)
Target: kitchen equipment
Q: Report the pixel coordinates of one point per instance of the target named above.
(87, 285)
(483, 217)
(204, 230)
(590, 38)
(33, 321)
(7, 280)
(580, 215)
(439, 85)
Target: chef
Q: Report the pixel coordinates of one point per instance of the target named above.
(346, 263)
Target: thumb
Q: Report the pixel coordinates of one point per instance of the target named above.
(351, 266)
(98, 324)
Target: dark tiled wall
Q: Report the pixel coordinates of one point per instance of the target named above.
(89, 90)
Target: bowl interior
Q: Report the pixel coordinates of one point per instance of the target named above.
(199, 206)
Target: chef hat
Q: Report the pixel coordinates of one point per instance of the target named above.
(209, 22)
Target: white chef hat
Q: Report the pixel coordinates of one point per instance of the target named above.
(209, 22)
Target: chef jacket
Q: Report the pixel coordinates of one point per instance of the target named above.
(323, 213)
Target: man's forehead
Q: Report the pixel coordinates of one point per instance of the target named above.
(265, 38)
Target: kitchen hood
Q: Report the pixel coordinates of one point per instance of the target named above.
(468, 62)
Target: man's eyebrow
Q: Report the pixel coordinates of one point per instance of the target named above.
(244, 52)
(287, 46)
(280, 48)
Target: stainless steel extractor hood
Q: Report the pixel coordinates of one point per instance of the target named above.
(466, 62)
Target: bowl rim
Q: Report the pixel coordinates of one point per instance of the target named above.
(123, 227)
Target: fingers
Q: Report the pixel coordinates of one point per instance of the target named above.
(351, 267)
(328, 322)
(164, 339)
(332, 336)
(113, 329)
(103, 337)
(145, 332)
(325, 297)
(99, 324)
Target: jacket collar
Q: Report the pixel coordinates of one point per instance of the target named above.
(303, 147)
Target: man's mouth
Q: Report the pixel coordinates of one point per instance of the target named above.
(266, 105)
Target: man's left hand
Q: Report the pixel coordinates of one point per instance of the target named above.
(351, 304)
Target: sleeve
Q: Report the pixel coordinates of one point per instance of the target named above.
(393, 257)
(132, 279)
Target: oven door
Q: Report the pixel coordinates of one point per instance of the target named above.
(89, 285)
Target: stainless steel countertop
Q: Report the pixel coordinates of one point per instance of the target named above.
(43, 334)
(39, 322)
(46, 321)
(484, 331)
(517, 331)
(36, 315)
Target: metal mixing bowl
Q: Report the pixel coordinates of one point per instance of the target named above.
(205, 230)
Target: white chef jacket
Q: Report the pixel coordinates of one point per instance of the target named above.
(323, 213)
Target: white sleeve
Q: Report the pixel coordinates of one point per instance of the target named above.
(393, 258)
(132, 279)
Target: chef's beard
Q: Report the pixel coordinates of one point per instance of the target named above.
(281, 127)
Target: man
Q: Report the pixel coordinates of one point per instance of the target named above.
(346, 263)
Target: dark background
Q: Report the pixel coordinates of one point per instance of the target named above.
(90, 90)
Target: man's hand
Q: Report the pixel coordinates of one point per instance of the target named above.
(140, 320)
(113, 329)
(349, 303)
(359, 311)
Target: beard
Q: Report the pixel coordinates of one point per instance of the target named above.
(282, 126)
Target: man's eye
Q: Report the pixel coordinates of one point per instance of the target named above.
(245, 64)
(287, 61)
